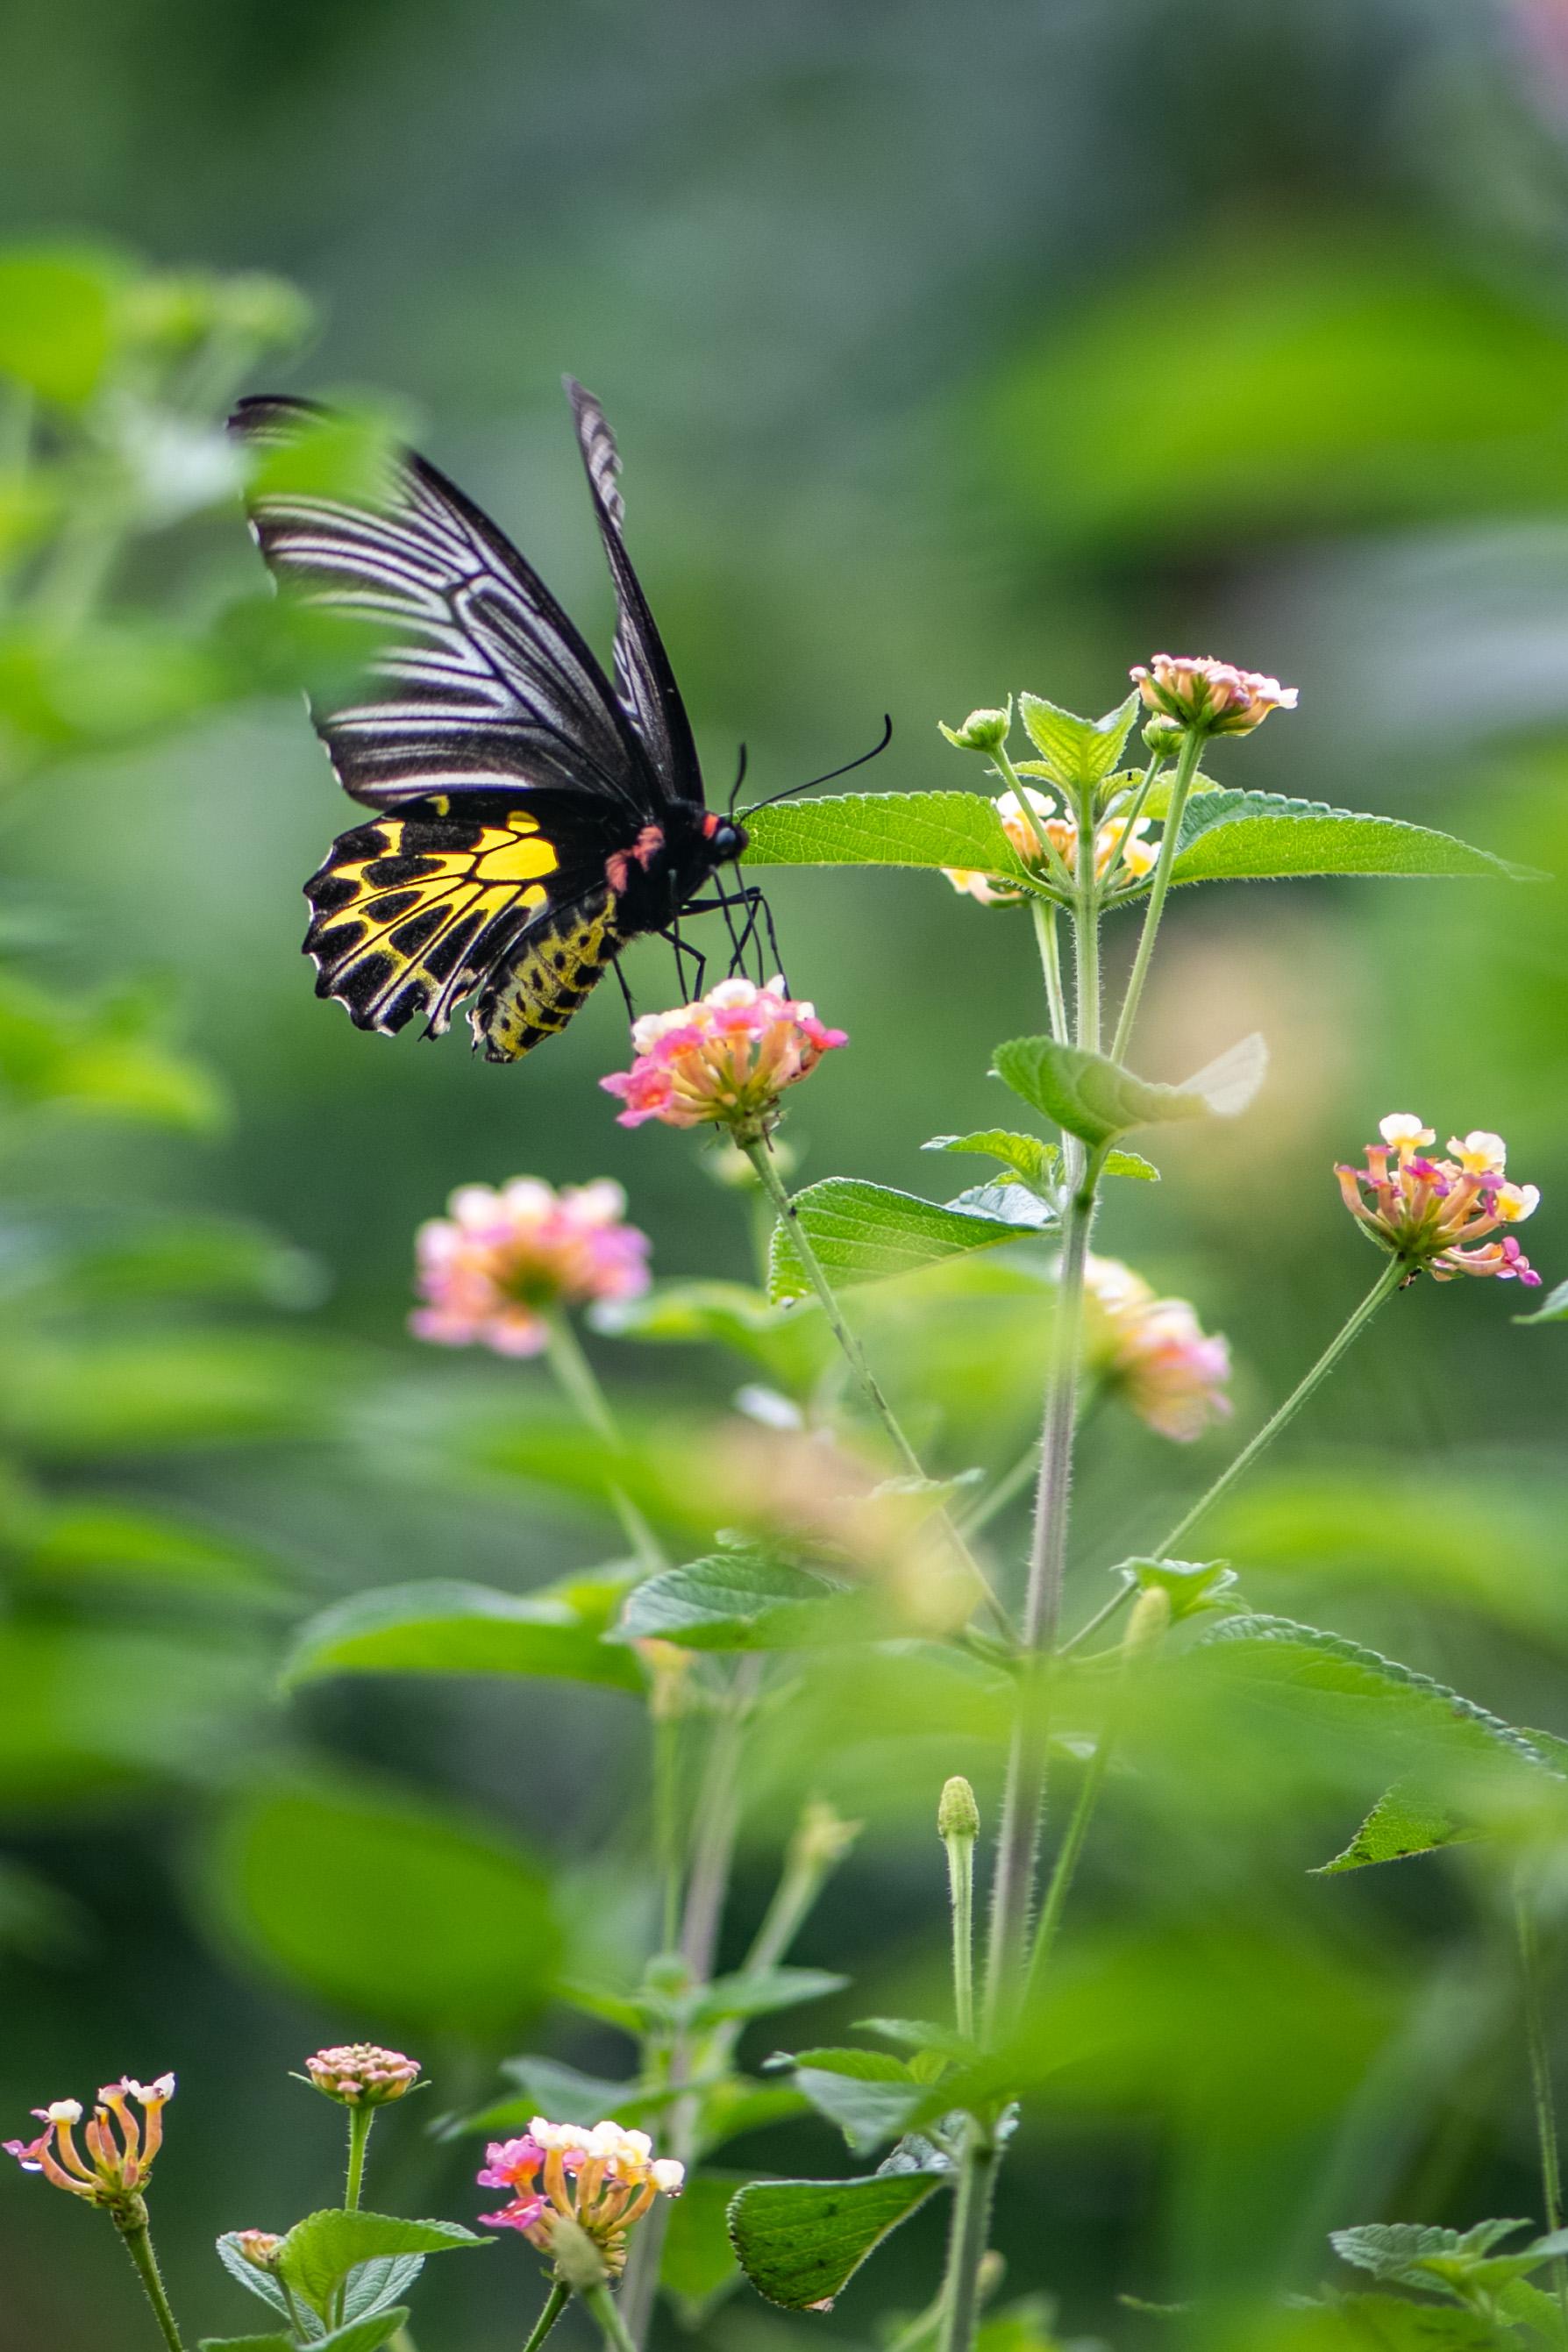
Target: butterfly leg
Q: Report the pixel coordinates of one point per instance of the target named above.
(684, 952)
(626, 992)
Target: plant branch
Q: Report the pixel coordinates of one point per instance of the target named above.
(580, 1384)
(1045, 921)
(969, 2230)
(138, 2243)
(1540, 2080)
(1186, 769)
(555, 2303)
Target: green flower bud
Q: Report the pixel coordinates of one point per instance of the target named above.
(983, 730)
(821, 1838)
(1148, 1625)
(958, 1815)
(1163, 736)
(578, 2262)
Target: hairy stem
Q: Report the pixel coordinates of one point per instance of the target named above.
(580, 1384)
(600, 2304)
(555, 2303)
(961, 1888)
(969, 2229)
(1540, 2080)
(359, 2122)
(1044, 918)
(1186, 769)
(1392, 1274)
(854, 1356)
(137, 2244)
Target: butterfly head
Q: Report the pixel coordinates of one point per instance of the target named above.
(724, 837)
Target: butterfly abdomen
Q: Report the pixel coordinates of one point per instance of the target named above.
(533, 993)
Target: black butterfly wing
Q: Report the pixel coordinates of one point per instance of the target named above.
(645, 681)
(412, 911)
(476, 679)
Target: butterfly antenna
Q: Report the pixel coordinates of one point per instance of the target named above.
(812, 781)
(740, 780)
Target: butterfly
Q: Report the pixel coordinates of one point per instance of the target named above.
(531, 819)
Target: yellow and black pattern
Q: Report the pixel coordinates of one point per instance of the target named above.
(546, 977)
(413, 911)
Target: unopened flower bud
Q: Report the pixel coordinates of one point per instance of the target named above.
(577, 2259)
(983, 730)
(1162, 736)
(259, 2248)
(362, 2074)
(822, 1837)
(957, 1814)
(1148, 1625)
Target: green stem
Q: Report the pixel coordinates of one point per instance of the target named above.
(359, 2122)
(600, 2304)
(1086, 934)
(854, 1356)
(1100, 1617)
(1109, 879)
(666, 1744)
(1540, 2080)
(961, 1885)
(1051, 857)
(1044, 918)
(580, 1383)
(1392, 1274)
(555, 2303)
(970, 2229)
(1186, 769)
(137, 2244)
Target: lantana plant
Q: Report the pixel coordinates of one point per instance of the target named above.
(811, 1525)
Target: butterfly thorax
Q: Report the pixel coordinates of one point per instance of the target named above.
(653, 877)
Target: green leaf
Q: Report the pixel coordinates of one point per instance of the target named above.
(1096, 1099)
(1553, 1308)
(320, 2251)
(66, 1399)
(377, 1900)
(1387, 2322)
(359, 2335)
(759, 1992)
(1076, 753)
(255, 2282)
(739, 1600)
(866, 1232)
(118, 1545)
(456, 1629)
(1189, 1585)
(954, 829)
(1033, 1162)
(699, 2267)
(800, 2241)
(1259, 836)
(726, 1314)
(1405, 1822)
(99, 1054)
(1403, 2253)
(57, 319)
(870, 2097)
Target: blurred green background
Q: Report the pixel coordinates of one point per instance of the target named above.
(952, 349)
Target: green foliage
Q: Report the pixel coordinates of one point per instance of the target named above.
(698, 2268)
(1403, 1823)
(356, 2336)
(322, 2252)
(1097, 1101)
(933, 829)
(321, 1879)
(1258, 836)
(800, 2241)
(741, 1600)
(465, 1629)
(1459, 2263)
(1077, 753)
(866, 1232)
(870, 2097)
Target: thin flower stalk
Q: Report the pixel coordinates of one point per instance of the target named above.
(1181, 789)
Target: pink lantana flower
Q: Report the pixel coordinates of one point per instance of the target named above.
(362, 2074)
(603, 2179)
(1441, 1216)
(119, 2149)
(722, 1062)
(493, 1268)
(1035, 820)
(1155, 1353)
(1211, 696)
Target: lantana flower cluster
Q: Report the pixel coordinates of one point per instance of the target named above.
(603, 2179)
(1037, 819)
(1210, 697)
(1155, 1353)
(119, 2149)
(723, 1061)
(362, 2074)
(493, 1270)
(1441, 1216)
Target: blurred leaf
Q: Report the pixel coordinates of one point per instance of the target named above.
(866, 1232)
(1372, 2323)
(759, 1993)
(800, 2241)
(99, 1055)
(738, 2106)
(377, 1900)
(956, 829)
(194, 1256)
(698, 2266)
(740, 1600)
(563, 2093)
(1553, 1308)
(1096, 1099)
(56, 314)
(792, 1347)
(444, 1628)
(1032, 1161)
(89, 1711)
(1414, 2254)
(110, 681)
(321, 2251)
(1076, 753)
(121, 1546)
(870, 2097)
(1009, 1199)
(359, 2335)
(64, 1400)
(39, 1921)
(1335, 372)
(1403, 1822)
(1258, 836)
